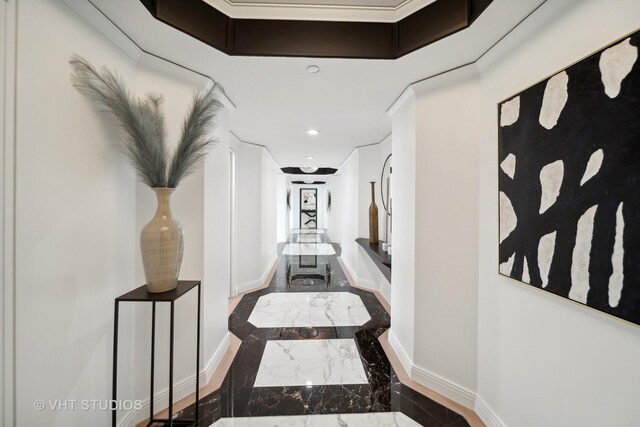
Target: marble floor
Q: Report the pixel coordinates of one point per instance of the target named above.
(381, 419)
(309, 363)
(303, 309)
(310, 355)
(308, 249)
(309, 238)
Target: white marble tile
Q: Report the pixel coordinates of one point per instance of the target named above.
(301, 309)
(310, 362)
(375, 419)
(307, 230)
(309, 238)
(308, 249)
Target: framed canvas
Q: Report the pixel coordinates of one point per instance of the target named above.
(308, 208)
(569, 182)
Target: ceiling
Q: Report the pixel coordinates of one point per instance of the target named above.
(388, 4)
(278, 100)
(335, 10)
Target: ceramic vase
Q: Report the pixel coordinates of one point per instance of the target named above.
(373, 216)
(162, 244)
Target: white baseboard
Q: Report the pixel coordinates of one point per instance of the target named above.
(258, 283)
(181, 389)
(385, 291)
(272, 263)
(384, 288)
(432, 381)
(215, 360)
(486, 414)
(405, 360)
(444, 386)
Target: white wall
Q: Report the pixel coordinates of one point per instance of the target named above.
(282, 214)
(544, 360)
(75, 223)
(540, 360)
(403, 188)
(334, 223)
(79, 212)
(269, 248)
(446, 247)
(256, 214)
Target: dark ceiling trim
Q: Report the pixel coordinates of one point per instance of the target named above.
(324, 39)
(294, 170)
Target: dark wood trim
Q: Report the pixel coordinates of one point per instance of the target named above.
(325, 39)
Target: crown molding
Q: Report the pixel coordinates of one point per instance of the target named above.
(318, 12)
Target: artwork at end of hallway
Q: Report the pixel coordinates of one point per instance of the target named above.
(569, 182)
(308, 208)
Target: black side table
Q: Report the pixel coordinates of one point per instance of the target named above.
(141, 295)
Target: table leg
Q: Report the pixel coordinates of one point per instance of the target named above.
(114, 392)
(198, 361)
(153, 358)
(171, 365)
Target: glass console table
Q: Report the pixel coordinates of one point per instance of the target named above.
(307, 267)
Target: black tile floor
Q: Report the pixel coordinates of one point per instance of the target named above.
(384, 393)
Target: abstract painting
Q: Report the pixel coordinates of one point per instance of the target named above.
(569, 182)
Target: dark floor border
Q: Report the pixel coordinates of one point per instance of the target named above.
(329, 39)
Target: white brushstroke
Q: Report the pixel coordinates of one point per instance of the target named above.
(510, 112)
(546, 248)
(593, 166)
(508, 165)
(507, 266)
(581, 257)
(555, 98)
(551, 180)
(525, 272)
(615, 64)
(617, 276)
(508, 219)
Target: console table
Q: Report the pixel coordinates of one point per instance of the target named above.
(141, 295)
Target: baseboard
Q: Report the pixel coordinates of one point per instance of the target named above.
(181, 389)
(405, 360)
(267, 271)
(248, 286)
(215, 360)
(444, 386)
(130, 419)
(385, 291)
(486, 414)
(258, 283)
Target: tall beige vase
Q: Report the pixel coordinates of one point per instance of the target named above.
(162, 244)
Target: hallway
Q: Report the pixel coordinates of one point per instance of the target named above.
(312, 349)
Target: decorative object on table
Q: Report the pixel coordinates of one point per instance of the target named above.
(373, 216)
(308, 208)
(385, 182)
(141, 127)
(569, 173)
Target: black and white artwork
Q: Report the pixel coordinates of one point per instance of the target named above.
(569, 182)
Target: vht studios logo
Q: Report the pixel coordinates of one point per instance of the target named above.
(70, 405)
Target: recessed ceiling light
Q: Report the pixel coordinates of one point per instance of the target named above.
(313, 69)
(310, 157)
(313, 132)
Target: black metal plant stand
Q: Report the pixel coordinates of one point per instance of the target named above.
(141, 295)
